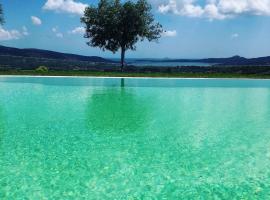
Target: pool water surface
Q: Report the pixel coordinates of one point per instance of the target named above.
(112, 138)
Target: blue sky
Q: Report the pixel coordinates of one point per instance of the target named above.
(196, 29)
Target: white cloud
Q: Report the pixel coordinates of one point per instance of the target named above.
(78, 30)
(181, 7)
(59, 35)
(54, 29)
(25, 31)
(169, 33)
(67, 6)
(214, 9)
(11, 34)
(234, 35)
(211, 11)
(192, 10)
(36, 21)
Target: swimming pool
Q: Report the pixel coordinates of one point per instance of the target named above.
(111, 138)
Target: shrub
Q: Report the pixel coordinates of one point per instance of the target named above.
(42, 69)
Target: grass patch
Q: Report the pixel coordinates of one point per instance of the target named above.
(134, 74)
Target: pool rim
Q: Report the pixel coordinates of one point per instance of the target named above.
(123, 77)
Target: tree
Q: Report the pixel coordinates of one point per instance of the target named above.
(1, 15)
(113, 25)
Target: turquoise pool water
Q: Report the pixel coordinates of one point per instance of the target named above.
(103, 138)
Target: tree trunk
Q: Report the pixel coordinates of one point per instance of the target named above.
(123, 51)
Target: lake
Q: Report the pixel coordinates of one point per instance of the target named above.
(162, 63)
(113, 138)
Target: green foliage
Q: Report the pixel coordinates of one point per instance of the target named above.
(1, 15)
(42, 69)
(137, 74)
(113, 25)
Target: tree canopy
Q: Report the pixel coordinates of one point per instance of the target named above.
(1, 15)
(113, 25)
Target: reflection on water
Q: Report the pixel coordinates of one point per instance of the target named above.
(122, 82)
(117, 110)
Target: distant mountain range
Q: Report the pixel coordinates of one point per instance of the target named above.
(231, 61)
(45, 54)
(29, 59)
(15, 58)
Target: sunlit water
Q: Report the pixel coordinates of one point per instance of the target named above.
(84, 138)
(167, 64)
(162, 63)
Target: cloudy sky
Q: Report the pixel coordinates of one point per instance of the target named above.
(194, 28)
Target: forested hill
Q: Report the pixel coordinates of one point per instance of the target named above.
(45, 54)
(30, 59)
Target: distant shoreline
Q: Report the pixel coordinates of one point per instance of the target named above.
(30, 58)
